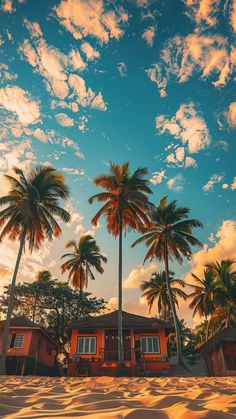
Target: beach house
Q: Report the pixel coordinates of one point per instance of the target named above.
(94, 345)
(30, 349)
(219, 353)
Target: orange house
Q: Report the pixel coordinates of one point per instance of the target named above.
(94, 348)
(30, 349)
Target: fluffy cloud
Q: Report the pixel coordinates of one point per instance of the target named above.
(7, 6)
(233, 15)
(89, 18)
(18, 101)
(64, 120)
(85, 97)
(190, 129)
(5, 73)
(66, 142)
(224, 248)
(98, 103)
(138, 275)
(176, 183)
(157, 177)
(77, 61)
(40, 135)
(182, 57)
(89, 51)
(122, 68)
(203, 11)
(149, 35)
(72, 171)
(231, 114)
(214, 179)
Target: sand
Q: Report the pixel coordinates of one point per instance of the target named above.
(107, 397)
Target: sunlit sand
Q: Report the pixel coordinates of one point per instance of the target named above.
(108, 397)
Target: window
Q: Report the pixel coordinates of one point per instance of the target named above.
(150, 344)
(18, 341)
(15, 340)
(86, 345)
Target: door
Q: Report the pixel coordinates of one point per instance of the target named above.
(111, 345)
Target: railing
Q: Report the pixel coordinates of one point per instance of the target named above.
(109, 355)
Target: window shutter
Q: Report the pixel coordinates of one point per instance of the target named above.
(92, 345)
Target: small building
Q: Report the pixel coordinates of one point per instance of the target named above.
(219, 353)
(30, 350)
(94, 345)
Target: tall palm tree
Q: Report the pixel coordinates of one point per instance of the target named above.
(125, 206)
(44, 278)
(170, 237)
(155, 289)
(204, 296)
(29, 216)
(85, 256)
(225, 277)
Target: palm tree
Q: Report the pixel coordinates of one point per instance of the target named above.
(85, 255)
(44, 278)
(170, 237)
(155, 289)
(125, 207)
(29, 216)
(203, 296)
(225, 277)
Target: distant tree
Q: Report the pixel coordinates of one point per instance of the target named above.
(155, 290)
(125, 207)
(84, 257)
(170, 237)
(58, 305)
(31, 210)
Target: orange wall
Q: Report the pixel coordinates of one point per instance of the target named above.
(162, 339)
(39, 347)
(99, 344)
(31, 346)
(24, 351)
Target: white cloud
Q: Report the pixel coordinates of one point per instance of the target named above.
(33, 28)
(158, 177)
(233, 15)
(64, 120)
(233, 184)
(7, 6)
(182, 57)
(18, 101)
(73, 171)
(89, 18)
(203, 11)
(224, 248)
(122, 68)
(214, 179)
(98, 103)
(149, 35)
(176, 183)
(138, 275)
(231, 114)
(77, 61)
(40, 135)
(6, 74)
(89, 51)
(66, 142)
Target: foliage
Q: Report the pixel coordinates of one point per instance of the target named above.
(54, 304)
(85, 256)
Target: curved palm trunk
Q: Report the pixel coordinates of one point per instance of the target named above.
(207, 328)
(172, 306)
(120, 332)
(5, 335)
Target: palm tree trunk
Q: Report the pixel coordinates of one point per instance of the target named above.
(207, 328)
(5, 335)
(120, 331)
(172, 306)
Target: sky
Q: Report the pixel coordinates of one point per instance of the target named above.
(87, 82)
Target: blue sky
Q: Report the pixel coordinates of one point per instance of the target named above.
(84, 83)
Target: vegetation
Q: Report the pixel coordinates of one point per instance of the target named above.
(31, 210)
(30, 214)
(155, 289)
(170, 237)
(52, 304)
(126, 206)
(85, 256)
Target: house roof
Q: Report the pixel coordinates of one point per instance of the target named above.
(226, 335)
(22, 322)
(110, 320)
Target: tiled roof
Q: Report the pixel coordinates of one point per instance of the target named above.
(110, 320)
(226, 335)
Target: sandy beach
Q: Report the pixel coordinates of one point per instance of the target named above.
(107, 397)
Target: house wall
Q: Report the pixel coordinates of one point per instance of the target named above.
(40, 347)
(24, 351)
(162, 339)
(75, 333)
